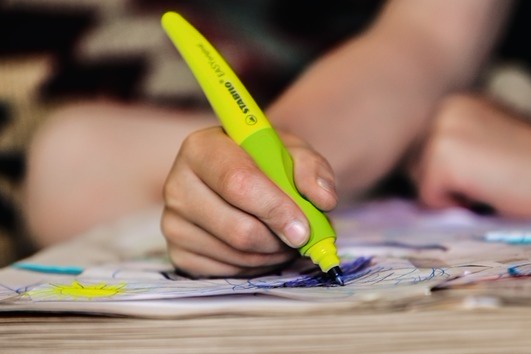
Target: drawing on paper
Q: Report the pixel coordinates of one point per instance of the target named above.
(384, 257)
(77, 290)
(316, 278)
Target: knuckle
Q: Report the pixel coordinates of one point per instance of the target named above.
(237, 182)
(173, 192)
(190, 141)
(166, 228)
(310, 164)
(170, 227)
(173, 201)
(193, 144)
(170, 193)
(244, 235)
(278, 210)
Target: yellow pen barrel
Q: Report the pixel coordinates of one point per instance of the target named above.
(271, 156)
(246, 124)
(235, 107)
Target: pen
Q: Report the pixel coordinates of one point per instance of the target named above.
(245, 123)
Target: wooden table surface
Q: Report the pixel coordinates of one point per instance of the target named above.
(502, 330)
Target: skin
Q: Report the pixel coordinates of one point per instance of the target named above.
(355, 112)
(361, 109)
(357, 109)
(94, 162)
(475, 152)
(214, 227)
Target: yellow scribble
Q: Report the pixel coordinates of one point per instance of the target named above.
(76, 290)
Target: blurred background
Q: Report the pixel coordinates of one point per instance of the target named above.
(56, 52)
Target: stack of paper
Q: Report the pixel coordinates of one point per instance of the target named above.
(394, 254)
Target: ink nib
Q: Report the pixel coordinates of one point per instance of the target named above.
(337, 275)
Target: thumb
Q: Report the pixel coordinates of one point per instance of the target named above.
(314, 178)
(313, 175)
(253, 192)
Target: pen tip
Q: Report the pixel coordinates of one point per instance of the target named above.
(337, 275)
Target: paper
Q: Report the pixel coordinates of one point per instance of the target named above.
(392, 251)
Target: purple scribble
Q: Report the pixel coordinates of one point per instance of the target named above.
(351, 271)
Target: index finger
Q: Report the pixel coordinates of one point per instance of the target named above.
(229, 171)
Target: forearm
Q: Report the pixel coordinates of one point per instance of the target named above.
(455, 35)
(362, 104)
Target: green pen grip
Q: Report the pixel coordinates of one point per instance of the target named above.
(267, 150)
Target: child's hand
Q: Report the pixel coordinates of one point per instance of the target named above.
(224, 217)
(476, 153)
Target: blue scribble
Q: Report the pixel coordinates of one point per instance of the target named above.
(351, 271)
(520, 270)
(511, 237)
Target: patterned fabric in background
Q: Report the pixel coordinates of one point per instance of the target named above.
(53, 52)
(117, 48)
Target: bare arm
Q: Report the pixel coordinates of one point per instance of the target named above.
(362, 104)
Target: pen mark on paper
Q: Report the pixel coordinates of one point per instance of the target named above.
(317, 278)
(78, 290)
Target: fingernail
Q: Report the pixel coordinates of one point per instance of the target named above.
(326, 185)
(296, 233)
